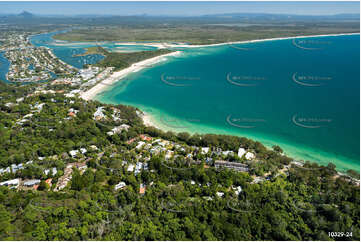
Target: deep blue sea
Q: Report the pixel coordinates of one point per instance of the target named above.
(303, 95)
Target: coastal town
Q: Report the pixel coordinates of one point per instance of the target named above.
(76, 167)
(140, 149)
(31, 64)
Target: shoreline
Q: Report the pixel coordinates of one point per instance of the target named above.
(101, 86)
(116, 76)
(166, 45)
(149, 119)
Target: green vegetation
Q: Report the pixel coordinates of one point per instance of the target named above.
(124, 60)
(185, 196)
(203, 34)
(94, 50)
(303, 204)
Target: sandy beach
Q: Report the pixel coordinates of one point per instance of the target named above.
(148, 120)
(116, 76)
(166, 45)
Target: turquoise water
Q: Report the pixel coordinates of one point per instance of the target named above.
(4, 67)
(303, 95)
(67, 51)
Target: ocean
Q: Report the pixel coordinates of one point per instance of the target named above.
(302, 94)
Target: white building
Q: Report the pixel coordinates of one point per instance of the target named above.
(31, 183)
(99, 113)
(241, 152)
(227, 152)
(83, 150)
(220, 194)
(250, 156)
(238, 190)
(140, 144)
(204, 150)
(13, 182)
(130, 168)
(120, 185)
(53, 171)
(73, 153)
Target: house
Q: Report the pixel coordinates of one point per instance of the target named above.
(238, 190)
(19, 99)
(140, 144)
(48, 181)
(250, 156)
(73, 153)
(131, 141)
(228, 152)
(169, 154)
(53, 171)
(231, 165)
(163, 143)
(14, 183)
(120, 185)
(139, 166)
(130, 168)
(83, 150)
(81, 167)
(15, 167)
(118, 129)
(9, 105)
(39, 107)
(28, 115)
(220, 194)
(157, 141)
(142, 188)
(99, 113)
(123, 127)
(145, 138)
(204, 150)
(241, 152)
(31, 183)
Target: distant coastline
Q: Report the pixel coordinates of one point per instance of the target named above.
(150, 120)
(116, 76)
(165, 45)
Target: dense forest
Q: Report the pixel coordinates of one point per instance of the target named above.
(124, 60)
(183, 200)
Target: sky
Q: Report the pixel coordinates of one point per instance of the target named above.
(179, 8)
